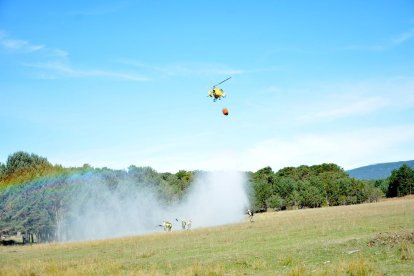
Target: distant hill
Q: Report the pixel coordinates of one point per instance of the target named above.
(378, 171)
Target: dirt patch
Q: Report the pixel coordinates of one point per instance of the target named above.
(392, 239)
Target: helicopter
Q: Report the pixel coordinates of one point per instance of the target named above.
(217, 93)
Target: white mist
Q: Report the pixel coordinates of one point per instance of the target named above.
(214, 198)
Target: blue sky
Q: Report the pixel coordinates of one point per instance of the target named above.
(115, 83)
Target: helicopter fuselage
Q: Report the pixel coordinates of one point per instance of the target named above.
(216, 93)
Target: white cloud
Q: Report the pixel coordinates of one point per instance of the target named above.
(341, 100)
(185, 69)
(200, 69)
(57, 64)
(24, 46)
(385, 45)
(60, 69)
(347, 149)
(403, 37)
(58, 53)
(339, 109)
(19, 45)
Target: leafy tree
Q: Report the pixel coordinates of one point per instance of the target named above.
(276, 202)
(374, 194)
(357, 191)
(262, 193)
(381, 184)
(264, 175)
(266, 171)
(261, 182)
(22, 167)
(23, 161)
(144, 175)
(401, 182)
(331, 183)
(311, 197)
(184, 179)
(294, 199)
(2, 170)
(287, 172)
(328, 167)
(283, 186)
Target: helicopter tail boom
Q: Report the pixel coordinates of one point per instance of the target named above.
(222, 81)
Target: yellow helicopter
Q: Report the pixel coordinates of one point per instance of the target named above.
(217, 93)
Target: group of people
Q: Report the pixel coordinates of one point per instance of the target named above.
(185, 225)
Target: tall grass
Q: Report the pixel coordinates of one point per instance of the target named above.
(366, 239)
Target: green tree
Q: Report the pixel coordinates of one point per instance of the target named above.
(276, 202)
(261, 183)
(262, 191)
(23, 161)
(374, 194)
(328, 167)
(382, 184)
(311, 197)
(331, 183)
(283, 186)
(401, 182)
(265, 175)
(287, 172)
(22, 167)
(184, 179)
(2, 170)
(294, 199)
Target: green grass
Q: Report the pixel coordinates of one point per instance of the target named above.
(366, 239)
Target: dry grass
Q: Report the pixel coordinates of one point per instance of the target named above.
(324, 241)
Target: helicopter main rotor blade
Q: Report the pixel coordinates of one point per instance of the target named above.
(222, 81)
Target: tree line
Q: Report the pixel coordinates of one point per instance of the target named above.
(309, 187)
(33, 191)
(324, 185)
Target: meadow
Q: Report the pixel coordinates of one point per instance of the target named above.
(365, 239)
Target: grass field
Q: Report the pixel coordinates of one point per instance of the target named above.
(366, 239)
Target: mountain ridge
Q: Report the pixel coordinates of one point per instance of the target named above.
(377, 171)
